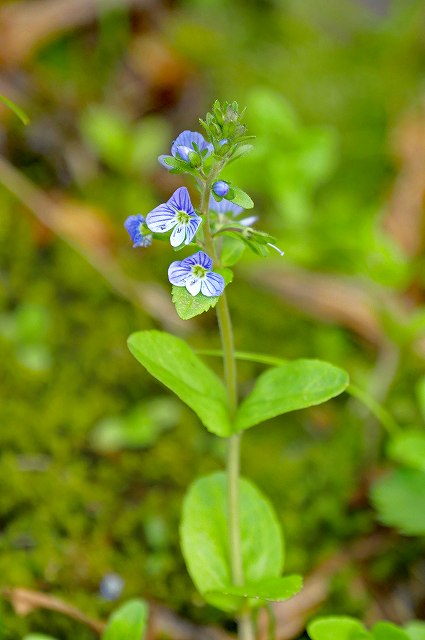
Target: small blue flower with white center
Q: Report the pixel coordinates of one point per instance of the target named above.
(225, 207)
(183, 146)
(195, 274)
(177, 214)
(137, 230)
(221, 188)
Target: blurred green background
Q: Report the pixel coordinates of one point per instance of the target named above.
(95, 455)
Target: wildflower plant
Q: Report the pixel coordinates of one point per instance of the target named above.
(231, 538)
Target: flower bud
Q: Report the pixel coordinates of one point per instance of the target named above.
(221, 188)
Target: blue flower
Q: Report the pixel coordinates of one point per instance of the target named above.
(225, 207)
(195, 274)
(183, 145)
(221, 188)
(177, 214)
(136, 228)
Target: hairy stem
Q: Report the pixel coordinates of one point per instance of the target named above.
(245, 627)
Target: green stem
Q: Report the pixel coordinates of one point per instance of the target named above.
(376, 409)
(245, 627)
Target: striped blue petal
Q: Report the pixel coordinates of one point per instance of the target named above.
(180, 200)
(161, 219)
(178, 273)
(212, 284)
(199, 258)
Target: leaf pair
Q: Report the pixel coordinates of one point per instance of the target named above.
(292, 385)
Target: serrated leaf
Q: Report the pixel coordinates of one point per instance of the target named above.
(241, 198)
(399, 499)
(409, 449)
(188, 306)
(272, 589)
(337, 628)
(415, 630)
(205, 539)
(18, 111)
(388, 631)
(171, 361)
(129, 622)
(294, 385)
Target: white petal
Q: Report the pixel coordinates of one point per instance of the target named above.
(178, 235)
(193, 285)
(212, 284)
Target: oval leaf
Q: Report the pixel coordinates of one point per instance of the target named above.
(129, 621)
(241, 198)
(272, 589)
(293, 385)
(171, 361)
(399, 499)
(337, 628)
(205, 544)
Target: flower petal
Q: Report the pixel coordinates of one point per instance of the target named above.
(180, 200)
(187, 138)
(132, 225)
(192, 228)
(178, 273)
(161, 160)
(178, 235)
(161, 219)
(193, 285)
(201, 258)
(224, 206)
(212, 284)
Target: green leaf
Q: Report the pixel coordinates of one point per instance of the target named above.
(294, 385)
(18, 111)
(241, 198)
(388, 631)
(336, 628)
(205, 539)
(399, 499)
(129, 622)
(271, 589)
(409, 449)
(188, 306)
(232, 250)
(171, 361)
(415, 630)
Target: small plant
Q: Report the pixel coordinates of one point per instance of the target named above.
(230, 535)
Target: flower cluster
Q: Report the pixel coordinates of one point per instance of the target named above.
(177, 218)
